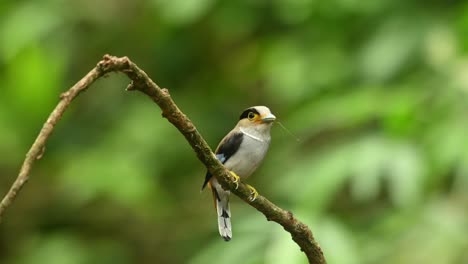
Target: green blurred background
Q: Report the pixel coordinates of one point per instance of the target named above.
(375, 90)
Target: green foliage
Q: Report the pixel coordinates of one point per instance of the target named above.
(376, 92)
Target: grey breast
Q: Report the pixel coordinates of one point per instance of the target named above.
(248, 157)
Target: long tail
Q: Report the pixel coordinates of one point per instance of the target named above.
(221, 199)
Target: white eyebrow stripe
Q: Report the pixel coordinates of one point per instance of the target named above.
(250, 135)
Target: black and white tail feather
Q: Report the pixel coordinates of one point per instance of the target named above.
(224, 213)
(221, 203)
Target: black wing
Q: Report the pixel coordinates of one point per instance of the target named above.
(226, 149)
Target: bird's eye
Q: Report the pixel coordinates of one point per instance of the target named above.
(251, 116)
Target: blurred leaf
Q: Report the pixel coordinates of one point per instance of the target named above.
(295, 70)
(405, 172)
(29, 22)
(286, 67)
(444, 220)
(33, 82)
(368, 161)
(226, 20)
(96, 173)
(441, 47)
(182, 12)
(390, 48)
(312, 180)
(282, 249)
(399, 164)
(10, 142)
(293, 11)
(64, 248)
(241, 250)
(334, 237)
(117, 166)
(446, 152)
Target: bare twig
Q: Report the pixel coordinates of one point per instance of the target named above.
(38, 147)
(300, 233)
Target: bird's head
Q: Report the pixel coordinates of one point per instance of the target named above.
(259, 118)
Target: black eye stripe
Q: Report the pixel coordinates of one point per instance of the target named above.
(246, 112)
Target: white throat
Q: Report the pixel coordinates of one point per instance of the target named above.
(250, 135)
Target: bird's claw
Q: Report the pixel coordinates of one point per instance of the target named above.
(253, 193)
(236, 179)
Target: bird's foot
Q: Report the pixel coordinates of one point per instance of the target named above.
(236, 179)
(253, 193)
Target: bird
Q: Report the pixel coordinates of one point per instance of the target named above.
(241, 151)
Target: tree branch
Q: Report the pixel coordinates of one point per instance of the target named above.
(300, 233)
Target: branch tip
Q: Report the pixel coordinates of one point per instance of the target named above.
(39, 156)
(130, 87)
(64, 95)
(126, 61)
(290, 215)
